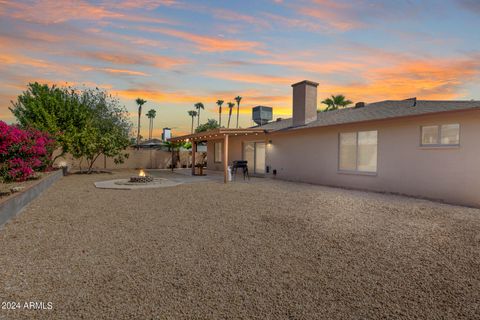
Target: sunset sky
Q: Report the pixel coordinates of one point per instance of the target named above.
(176, 53)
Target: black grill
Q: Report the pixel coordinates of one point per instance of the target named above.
(242, 164)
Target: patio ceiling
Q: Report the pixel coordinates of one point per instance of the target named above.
(217, 134)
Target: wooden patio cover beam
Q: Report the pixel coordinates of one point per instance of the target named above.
(216, 134)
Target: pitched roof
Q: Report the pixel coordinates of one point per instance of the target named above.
(382, 110)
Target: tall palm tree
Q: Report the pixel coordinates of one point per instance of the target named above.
(238, 99)
(335, 102)
(199, 106)
(219, 103)
(140, 102)
(193, 114)
(151, 114)
(230, 108)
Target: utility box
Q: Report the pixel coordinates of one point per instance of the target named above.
(262, 115)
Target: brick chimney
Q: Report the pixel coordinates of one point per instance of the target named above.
(304, 102)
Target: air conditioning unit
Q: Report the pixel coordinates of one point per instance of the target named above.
(262, 115)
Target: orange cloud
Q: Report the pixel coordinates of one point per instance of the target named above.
(53, 12)
(133, 58)
(427, 79)
(18, 59)
(158, 96)
(207, 43)
(116, 71)
(250, 78)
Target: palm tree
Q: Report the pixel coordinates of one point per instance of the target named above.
(230, 108)
(140, 102)
(219, 103)
(199, 106)
(238, 99)
(151, 114)
(335, 102)
(193, 114)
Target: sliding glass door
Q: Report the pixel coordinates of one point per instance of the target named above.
(254, 154)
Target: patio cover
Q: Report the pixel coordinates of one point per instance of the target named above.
(215, 134)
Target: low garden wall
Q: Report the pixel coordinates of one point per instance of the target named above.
(12, 206)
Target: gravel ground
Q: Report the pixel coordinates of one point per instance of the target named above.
(259, 250)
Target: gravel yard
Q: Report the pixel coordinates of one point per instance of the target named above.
(259, 250)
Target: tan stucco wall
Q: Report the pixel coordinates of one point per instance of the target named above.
(235, 149)
(449, 174)
(146, 159)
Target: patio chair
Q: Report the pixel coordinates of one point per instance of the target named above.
(243, 164)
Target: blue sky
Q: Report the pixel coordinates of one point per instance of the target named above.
(176, 53)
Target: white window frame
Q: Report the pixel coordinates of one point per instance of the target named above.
(215, 146)
(439, 143)
(356, 171)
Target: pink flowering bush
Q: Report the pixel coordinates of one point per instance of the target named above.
(22, 152)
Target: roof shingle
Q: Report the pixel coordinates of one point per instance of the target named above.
(388, 109)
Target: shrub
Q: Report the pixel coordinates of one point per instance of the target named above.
(22, 152)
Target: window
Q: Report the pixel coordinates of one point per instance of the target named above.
(441, 135)
(358, 151)
(217, 152)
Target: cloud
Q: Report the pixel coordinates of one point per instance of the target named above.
(234, 16)
(19, 59)
(426, 79)
(249, 78)
(335, 15)
(116, 71)
(144, 4)
(208, 43)
(54, 12)
(133, 58)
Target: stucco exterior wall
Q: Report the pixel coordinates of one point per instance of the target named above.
(451, 174)
(235, 149)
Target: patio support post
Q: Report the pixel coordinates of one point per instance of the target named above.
(225, 159)
(194, 151)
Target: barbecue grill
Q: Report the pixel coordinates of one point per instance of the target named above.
(242, 164)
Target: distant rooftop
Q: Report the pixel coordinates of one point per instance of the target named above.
(388, 109)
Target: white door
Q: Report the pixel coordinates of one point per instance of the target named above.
(254, 154)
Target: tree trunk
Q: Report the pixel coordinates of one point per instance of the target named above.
(192, 125)
(138, 133)
(198, 122)
(229, 117)
(238, 111)
(220, 117)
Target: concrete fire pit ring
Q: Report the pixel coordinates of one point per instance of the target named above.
(127, 184)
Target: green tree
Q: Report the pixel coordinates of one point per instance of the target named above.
(151, 114)
(219, 103)
(199, 106)
(335, 102)
(230, 108)
(87, 123)
(238, 99)
(106, 131)
(51, 109)
(209, 125)
(193, 114)
(140, 102)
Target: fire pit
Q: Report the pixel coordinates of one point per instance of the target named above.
(140, 181)
(141, 178)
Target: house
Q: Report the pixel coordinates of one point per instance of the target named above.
(422, 148)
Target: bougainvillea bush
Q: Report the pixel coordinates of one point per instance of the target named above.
(23, 152)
